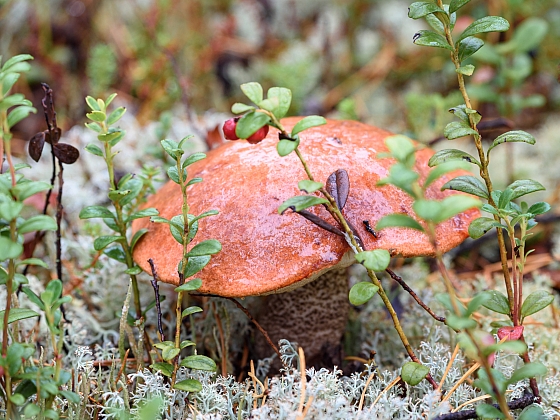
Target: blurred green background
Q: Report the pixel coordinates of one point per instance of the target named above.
(345, 59)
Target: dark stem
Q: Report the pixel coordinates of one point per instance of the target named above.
(155, 285)
(405, 286)
(59, 212)
(320, 222)
(517, 404)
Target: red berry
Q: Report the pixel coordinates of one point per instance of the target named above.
(229, 129)
(259, 135)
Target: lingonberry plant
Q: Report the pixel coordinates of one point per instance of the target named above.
(184, 228)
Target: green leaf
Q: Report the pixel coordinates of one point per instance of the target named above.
(15, 60)
(110, 99)
(97, 116)
(533, 412)
(33, 261)
(149, 212)
(136, 237)
(479, 227)
(527, 36)
(512, 136)
(31, 410)
(25, 190)
(451, 154)
(523, 187)
(398, 220)
(94, 150)
(37, 223)
(431, 39)
(116, 115)
(477, 301)
(249, 123)
(270, 104)
(13, 100)
(133, 271)
(9, 249)
(17, 314)
(413, 373)
(92, 103)
(103, 241)
(300, 202)
(199, 362)
(376, 260)
(194, 181)
(468, 184)
(171, 148)
(457, 129)
(536, 302)
(284, 97)
(169, 353)
(285, 147)
(8, 81)
(94, 212)
(116, 253)
(455, 204)
(422, 8)
(208, 247)
(195, 157)
(427, 209)
(485, 24)
(165, 368)
(402, 177)
(505, 199)
(195, 264)
(239, 108)
(468, 46)
(362, 292)
(253, 91)
(444, 168)
(467, 70)
(460, 322)
(401, 147)
(539, 208)
(17, 399)
(188, 385)
(18, 114)
(487, 411)
(308, 122)
(309, 186)
(203, 215)
(529, 370)
(190, 310)
(10, 210)
(189, 286)
(70, 396)
(497, 302)
(455, 5)
(187, 343)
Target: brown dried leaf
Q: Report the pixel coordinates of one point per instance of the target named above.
(338, 185)
(66, 153)
(36, 145)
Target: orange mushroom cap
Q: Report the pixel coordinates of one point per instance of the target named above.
(264, 252)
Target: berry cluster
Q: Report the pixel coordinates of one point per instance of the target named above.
(230, 134)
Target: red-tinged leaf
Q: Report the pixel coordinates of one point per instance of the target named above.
(511, 333)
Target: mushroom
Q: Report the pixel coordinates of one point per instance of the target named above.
(297, 264)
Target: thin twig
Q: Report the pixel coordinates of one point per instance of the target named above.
(405, 286)
(155, 285)
(448, 368)
(303, 383)
(222, 339)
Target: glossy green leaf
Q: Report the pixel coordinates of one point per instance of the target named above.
(413, 373)
(24, 190)
(96, 116)
(422, 8)
(309, 186)
(362, 292)
(539, 208)
(149, 212)
(239, 108)
(533, 412)
(19, 113)
(116, 253)
(468, 184)
(284, 97)
(16, 59)
(10, 210)
(428, 210)
(300, 202)
(9, 249)
(92, 103)
(109, 137)
(376, 260)
(398, 220)
(253, 91)
(285, 147)
(93, 212)
(8, 81)
(523, 187)
(512, 136)
(195, 157)
(269, 104)
(199, 362)
(169, 353)
(455, 5)
(428, 38)
(308, 122)
(485, 24)
(195, 264)
(455, 204)
(479, 227)
(536, 302)
(109, 99)
(33, 261)
(467, 70)
(13, 100)
(16, 314)
(116, 115)
(94, 149)
(188, 385)
(457, 129)
(497, 302)
(468, 46)
(190, 310)
(133, 271)
(529, 370)
(188, 343)
(190, 286)
(166, 369)
(451, 154)
(249, 123)
(476, 302)
(208, 247)
(103, 241)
